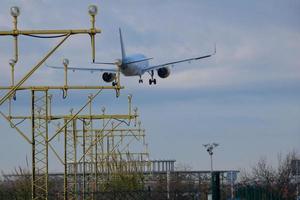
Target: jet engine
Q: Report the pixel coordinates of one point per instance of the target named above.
(163, 72)
(108, 77)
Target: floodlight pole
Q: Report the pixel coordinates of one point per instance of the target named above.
(209, 148)
(211, 163)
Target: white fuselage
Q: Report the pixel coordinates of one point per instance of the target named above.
(130, 67)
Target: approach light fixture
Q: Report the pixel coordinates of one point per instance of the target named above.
(65, 61)
(15, 11)
(12, 61)
(93, 10)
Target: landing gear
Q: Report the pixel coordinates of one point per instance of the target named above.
(140, 80)
(114, 83)
(152, 80)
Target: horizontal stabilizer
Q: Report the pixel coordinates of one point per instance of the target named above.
(105, 63)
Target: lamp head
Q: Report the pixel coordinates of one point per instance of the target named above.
(65, 61)
(12, 61)
(15, 11)
(93, 10)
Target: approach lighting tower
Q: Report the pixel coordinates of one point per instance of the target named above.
(40, 117)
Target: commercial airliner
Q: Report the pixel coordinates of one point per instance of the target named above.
(134, 65)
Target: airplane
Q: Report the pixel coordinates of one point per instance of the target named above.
(134, 65)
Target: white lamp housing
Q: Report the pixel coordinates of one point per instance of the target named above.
(15, 11)
(93, 10)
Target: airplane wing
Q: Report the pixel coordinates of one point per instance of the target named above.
(178, 61)
(84, 69)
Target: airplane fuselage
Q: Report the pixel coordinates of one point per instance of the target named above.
(132, 68)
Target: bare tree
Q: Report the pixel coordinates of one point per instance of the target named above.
(277, 179)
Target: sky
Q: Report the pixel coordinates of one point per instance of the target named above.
(246, 97)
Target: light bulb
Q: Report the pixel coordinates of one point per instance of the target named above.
(93, 10)
(15, 11)
(65, 61)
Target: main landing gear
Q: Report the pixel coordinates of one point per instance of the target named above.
(152, 80)
(140, 80)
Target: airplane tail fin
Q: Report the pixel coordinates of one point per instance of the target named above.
(122, 45)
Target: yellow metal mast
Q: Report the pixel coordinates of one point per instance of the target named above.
(40, 140)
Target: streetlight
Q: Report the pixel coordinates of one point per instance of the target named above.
(209, 149)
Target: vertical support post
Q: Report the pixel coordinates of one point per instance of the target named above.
(65, 90)
(12, 63)
(129, 104)
(93, 38)
(16, 55)
(211, 163)
(215, 185)
(84, 159)
(168, 184)
(33, 194)
(102, 134)
(90, 164)
(65, 163)
(39, 144)
(107, 155)
(96, 164)
(71, 157)
(50, 105)
(74, 131)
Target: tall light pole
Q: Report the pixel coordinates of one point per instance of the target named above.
(209, 149)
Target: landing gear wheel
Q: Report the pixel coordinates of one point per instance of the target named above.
(114, 83)
(152, 81)
(141, 81)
